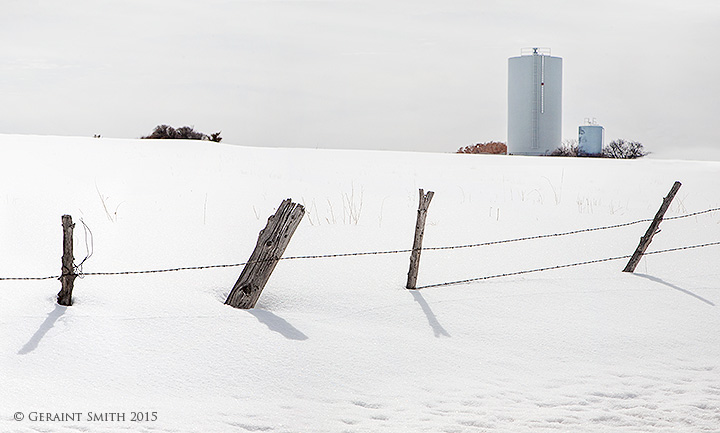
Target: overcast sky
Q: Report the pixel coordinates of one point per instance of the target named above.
(394, 74)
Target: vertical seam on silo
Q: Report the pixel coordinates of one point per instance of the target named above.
(542, 84)
(535, 117)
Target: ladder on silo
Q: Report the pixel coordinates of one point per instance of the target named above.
(536, 103)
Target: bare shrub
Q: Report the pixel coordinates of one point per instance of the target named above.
(567, 148)
(622, 149)
(188, 133)
(215, 136)
(183, 133)
(491, 147)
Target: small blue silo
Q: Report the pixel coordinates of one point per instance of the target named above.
(590, 139)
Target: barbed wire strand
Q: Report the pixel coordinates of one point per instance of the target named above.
(367, 253)
(509, 274)
(692, 214)
(187, 268)
(151, 271)
(549, 268)
(51, 277)
(572, 232)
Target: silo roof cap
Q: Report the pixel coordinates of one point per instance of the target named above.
(535, 51)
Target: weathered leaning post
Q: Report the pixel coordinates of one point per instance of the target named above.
(271, 244)
(67, 277)
(417, 242)
(652, 230)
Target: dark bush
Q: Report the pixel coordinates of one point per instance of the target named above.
(188, 133)
(619, 148)
(491, 147)
(567, 148)
(162, 132)
(624, 149)
(182, 133)
(215, 136)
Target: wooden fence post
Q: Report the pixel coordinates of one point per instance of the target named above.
(271, 244)
(417, 242)
(67, 277)
(652, 230)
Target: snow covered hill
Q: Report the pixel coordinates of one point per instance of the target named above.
(337, 344)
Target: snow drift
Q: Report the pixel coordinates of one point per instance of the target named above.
(338, 344)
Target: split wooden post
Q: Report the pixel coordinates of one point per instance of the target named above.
(417, 242)
(652, 230)
(68, 275)
(271, 244)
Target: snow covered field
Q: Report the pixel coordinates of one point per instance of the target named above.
(338, 345)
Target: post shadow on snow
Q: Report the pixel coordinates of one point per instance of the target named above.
(278, 324)
(680, 289)
(431, 318)
(49, 322)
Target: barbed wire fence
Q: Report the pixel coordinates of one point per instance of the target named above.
(81, 274)
(569, 265)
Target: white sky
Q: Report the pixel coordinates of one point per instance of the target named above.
(399, 75)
